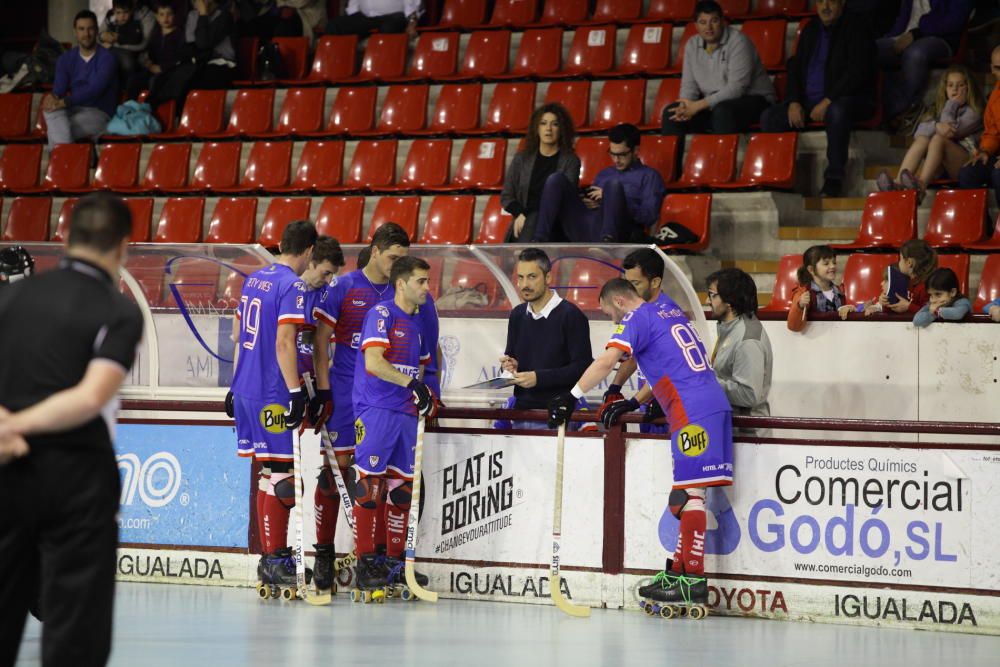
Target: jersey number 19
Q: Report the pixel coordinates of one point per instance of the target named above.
(250, 319)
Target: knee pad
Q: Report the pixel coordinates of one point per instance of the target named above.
(681, 499)
(368, 491)
(325, 482)
(283, 486)
(401, 492)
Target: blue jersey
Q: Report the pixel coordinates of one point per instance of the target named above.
(271, 297)
(388, 326)
(305, 334)
(672, 358)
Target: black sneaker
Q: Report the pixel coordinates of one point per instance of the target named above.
(832, 187)
(323, 566)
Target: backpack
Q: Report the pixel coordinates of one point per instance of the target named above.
(268, 62)
(133, 118)
(674, 233)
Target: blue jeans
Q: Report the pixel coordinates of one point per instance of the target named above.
(907, 88)
(562, 214)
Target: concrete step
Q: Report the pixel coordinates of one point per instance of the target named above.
(816, 233)
(833, 203)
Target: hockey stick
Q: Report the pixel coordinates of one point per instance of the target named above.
(300, 565)
(562, 603)
(346, 502)
(411, 524)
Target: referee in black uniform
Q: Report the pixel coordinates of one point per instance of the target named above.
(67, 340)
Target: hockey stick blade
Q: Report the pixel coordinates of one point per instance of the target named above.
(411, 524)
(561, 603)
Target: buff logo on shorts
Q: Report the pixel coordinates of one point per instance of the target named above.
(359, 431)
(692, 440)
(272, 418)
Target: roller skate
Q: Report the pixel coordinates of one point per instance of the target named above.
(370, 580)
(277, 576)
(675, 595)
(396, 579)
(324, 568)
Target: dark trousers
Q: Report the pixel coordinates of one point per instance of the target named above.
(175, 83)
(58, 535)
(842, 114)
(729, 117)
(361, 25)
(980, 176)
(563, 215)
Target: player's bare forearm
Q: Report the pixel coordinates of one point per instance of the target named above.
(286, 353)
(599, 369)
(379, 366)
(644, 394)
(625, 371)
(321, 354)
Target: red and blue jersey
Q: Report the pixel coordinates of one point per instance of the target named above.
(387, 325)
(672, 357)
(305, 334)
(271, 297)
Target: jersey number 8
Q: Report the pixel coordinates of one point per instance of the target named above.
(250, 320)
(690, 344)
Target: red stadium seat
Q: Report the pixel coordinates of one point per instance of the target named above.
(459, 14)
(586, 279)
(373, 165)
(193, 282)
(15, 115)
(321, 166)
(166, 113)
(434, 56)
(989, 284)
(401, 210)
(769, 39)
(118, 167)
(148, 271)
(647, 49)
(486, 56)
(384, 58)
(660, 153)
(494, 223)
(294, 52)
(246, 60)
(710, 160)
(575, 96)
(62, 222)
(353, 111)
(180, 221)
(167, 168)
(888, 221)
(593, 154)
(28, 219)
(203, 113)
(481, 165)
(735, 8)
(280, 212)
(563, 12)
(69, 168)
(992, 243)
(616, 11)
(335, 58)
(340, 217)
(668, 92)
(456, 110)
(427, 165)
(233, 221)
(960, 265)
(591, 52)
(863, 276)
(670, 10)
(301, 113)
(510, 108)
(677, 63)
(539, 54)
(267, 167)
(780, 7)
(404, 110)
(784, 283)
(957, 218)
(142, 216)
(769, 161)
(217, 167)
(251, 113)
(19, 166)
(449, 220)
(694, 211)
(514, 12)
(620, 101)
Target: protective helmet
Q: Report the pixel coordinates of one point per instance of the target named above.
(15, 263)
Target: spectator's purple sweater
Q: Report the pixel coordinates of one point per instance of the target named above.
(643, 187)
(88, 84)
(946, 19)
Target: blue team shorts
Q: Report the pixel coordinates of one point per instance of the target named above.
(386, 440)
(260, 430)
(703, 452)
(340, 425)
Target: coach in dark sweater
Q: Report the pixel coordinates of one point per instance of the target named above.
(548, 338)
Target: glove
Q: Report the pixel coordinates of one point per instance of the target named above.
(423, 398)
(320, 408)
(653, 412)
(614, 393)
(296, 408)
(610, 414)
(560, 408)
(230, 410)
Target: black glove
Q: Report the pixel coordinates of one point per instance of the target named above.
(320, 408)
(296, 408)
(611, 413)
(560, 408)
(423, 398)
(614, 390)
(653, 412)
(230, 410)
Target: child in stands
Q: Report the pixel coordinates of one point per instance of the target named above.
(993, 310)
(818, 291)
(946, 136)
(917, 261)
(945, 301)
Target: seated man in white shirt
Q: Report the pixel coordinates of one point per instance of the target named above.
(389, 16)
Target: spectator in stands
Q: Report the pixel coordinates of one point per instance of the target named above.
(993, 310)
(946, 136)
(983, 168)
(163, 54)
(831, 80)
(85, 92)
(126, 31)
(362, 16)
(917, 261)
(818, 290)
(724, 86)
(925, 32)
(622, 205)
(265, 19)
(945, 302)
(548, 154)
(548, 338)
(742, 356)
(208, 55)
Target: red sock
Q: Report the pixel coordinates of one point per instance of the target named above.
(380, 518)
(397, 515)
(369, 490)
(259, 502)
(693, 537)
(276, 515)
(327, 503)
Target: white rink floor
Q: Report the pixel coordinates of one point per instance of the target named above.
(169, 625)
